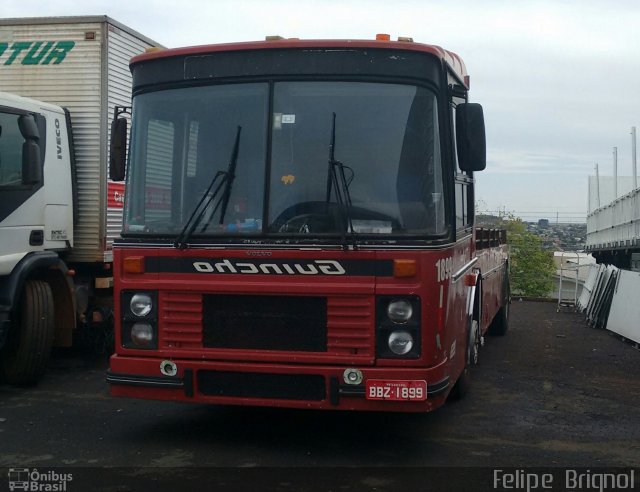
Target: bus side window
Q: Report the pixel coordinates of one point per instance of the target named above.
(464, 184)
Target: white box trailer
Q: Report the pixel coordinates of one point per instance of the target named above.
(60, 80)
(81, 64)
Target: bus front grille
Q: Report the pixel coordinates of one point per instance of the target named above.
(256, 322)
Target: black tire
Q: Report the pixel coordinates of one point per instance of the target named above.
(500, 324)
(462, 385)
(461, 388)
(25, 356)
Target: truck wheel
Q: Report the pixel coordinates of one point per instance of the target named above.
(500, 323)
(25, 356)
(461, 388)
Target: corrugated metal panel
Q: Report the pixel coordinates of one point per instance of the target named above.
(114, 226)
(90, 89)
(121, 47)
(74, 19)
(73, 83)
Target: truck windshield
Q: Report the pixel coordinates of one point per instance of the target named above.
(386, 140)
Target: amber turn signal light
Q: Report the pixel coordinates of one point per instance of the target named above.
(404, 268)
(134, 264)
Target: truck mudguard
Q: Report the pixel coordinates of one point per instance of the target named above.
(37, 264)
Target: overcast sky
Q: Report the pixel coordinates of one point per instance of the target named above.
(559, 80)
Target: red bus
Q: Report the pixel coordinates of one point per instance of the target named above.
(299, 227)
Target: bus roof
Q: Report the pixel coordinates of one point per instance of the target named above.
(451, 59)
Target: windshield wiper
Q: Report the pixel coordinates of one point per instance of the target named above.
(195, 217)
(336, 178)
(221, 178)
(231, 176)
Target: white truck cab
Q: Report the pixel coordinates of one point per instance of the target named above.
(35, 214)
(36, 225)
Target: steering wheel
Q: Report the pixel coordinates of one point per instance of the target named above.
(306, 218)
(307, 223)
(322, 217)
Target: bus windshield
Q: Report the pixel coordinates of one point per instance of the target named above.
(380, 139)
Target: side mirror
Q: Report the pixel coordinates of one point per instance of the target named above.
(470, 137)
(118, 149)
(28, 127)
(31, 163)
(31, 157)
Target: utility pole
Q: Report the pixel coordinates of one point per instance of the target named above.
(615, 173)
(597, 188)
(633, 158)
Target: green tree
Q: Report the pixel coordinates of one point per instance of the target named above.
(531, 267)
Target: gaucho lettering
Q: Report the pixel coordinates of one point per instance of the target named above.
(268, 265)
(315, 267)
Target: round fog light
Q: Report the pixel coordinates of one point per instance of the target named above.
(168, 368)
(352, 376)
(400, 342)
(142, 334)
(141, 304)
(399, 311)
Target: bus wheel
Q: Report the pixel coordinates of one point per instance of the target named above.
(26, 353)
(461, 387)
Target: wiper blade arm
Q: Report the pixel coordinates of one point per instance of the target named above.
(337, 179)
(207, 198)
(195, 217)
(231, 176)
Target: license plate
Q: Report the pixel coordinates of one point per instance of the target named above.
(381, 389)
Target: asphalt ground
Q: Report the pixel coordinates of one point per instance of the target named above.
(552, 392)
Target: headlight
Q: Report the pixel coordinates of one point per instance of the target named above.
(142, 334)
(141, 304)
(399, 311)
(400, 342)
(398, 327)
